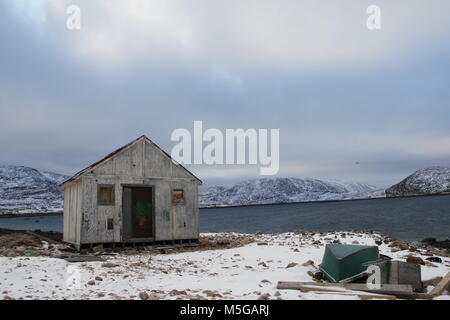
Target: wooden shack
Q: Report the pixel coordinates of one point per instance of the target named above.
(136, 195)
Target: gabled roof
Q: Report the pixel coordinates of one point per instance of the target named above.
(112, 154)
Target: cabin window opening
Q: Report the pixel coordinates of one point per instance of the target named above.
(110, 224)
(105, 195)
(178, 196)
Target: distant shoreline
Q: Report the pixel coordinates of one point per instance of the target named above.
(326, 201)
(26, 215)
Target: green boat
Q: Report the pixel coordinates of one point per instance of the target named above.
(343, 262)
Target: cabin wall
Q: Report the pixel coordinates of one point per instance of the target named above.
(72, 212)
(140, 165)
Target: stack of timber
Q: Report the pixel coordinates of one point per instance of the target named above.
(384, 291)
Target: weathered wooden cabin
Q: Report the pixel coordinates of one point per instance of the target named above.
(136, 194)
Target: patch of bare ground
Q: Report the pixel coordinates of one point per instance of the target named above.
(17, 239)
(19, 242)
(218, 241)
(52, 235)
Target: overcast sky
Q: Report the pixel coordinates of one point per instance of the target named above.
(351, 104)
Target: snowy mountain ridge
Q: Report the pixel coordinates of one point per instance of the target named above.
(430, 180)
(27, 190)
(284, 190)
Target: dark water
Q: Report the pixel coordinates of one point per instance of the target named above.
(402, 218)
(406, 218)
(44, 223)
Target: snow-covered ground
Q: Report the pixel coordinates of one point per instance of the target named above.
(248, 272)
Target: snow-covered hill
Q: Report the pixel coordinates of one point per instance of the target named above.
(282, 190)
(27, 190)
(425, 181)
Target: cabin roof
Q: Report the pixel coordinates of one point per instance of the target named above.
(112, 154)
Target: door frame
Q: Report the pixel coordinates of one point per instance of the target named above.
(148, 239)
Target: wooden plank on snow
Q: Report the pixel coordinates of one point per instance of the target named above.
(431, 282)
(84, 258)
(400, 290)
(441, 286)
(394, 288)
(363, 296)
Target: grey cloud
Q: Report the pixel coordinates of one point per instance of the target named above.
(338, 93)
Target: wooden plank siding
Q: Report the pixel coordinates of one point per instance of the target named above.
(72, 212)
